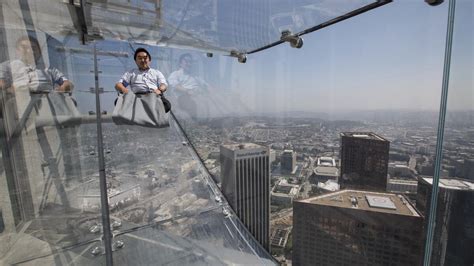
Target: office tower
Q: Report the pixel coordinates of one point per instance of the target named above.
(364, 161)
(468, 169)
(288, 161)
(245, 171)
(454, 229)
(353, 227)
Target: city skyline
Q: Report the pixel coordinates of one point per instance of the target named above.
(397, 64)
(219, 185)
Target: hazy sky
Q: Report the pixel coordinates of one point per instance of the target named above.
(387, 58)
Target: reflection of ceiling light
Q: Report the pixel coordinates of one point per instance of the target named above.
(116, 224)
(119, 244)
(434, 2)
(96, 251)
(95, 228)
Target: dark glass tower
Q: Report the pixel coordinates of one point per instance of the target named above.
(364, 161)
(288, 161)
(454, 229)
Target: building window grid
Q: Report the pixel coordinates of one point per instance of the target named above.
(253, 200)
(238, 182)
(249, 196)
(248, 193)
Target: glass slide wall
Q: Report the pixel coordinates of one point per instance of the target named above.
(320, 155)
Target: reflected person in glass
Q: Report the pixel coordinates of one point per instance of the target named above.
(29, 72)
(143, 79)
(189, 89)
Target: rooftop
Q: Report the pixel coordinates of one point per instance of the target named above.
(326, 170)
(402, 181)
(280, 237)
(284, 188)
(367, 201)
(326, 161)
(363, 135)
(242, 146)
(453, 183)
(329, 185)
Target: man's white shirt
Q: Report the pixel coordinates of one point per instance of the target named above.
(143, 81)
(21, 75)
(186, 81)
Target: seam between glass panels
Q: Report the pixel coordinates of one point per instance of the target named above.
(440, 136)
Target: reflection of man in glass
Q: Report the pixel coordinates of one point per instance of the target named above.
(28, 71)
(143, 79)
(188, 88)
(182, 80)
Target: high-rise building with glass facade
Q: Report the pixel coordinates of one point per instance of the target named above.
(245, 177)
(454, 229)
(364, 161)
(352, 227)
(288, 161)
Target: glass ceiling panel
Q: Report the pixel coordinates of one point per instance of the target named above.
(210, 25)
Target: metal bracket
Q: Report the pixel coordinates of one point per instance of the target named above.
(117, 243)
(294, 40)
(80, 12)
(241, 57)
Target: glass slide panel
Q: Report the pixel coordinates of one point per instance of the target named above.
(50, 201)
(169, 210)
(454, 225)
(164, 207)
(350, 124)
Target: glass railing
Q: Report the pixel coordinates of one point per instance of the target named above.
(163, 205)
(320, 155)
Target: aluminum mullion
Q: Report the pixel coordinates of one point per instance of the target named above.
(440, 136)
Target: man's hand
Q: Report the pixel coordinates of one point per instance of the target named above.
(121, 88)
(6, 88)
(65, 87)
(162, 87)
(157, 91)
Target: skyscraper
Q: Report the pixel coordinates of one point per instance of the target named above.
(245, 171)
(454, 229)
(364, 161)
(353, 227)
(288, 161)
